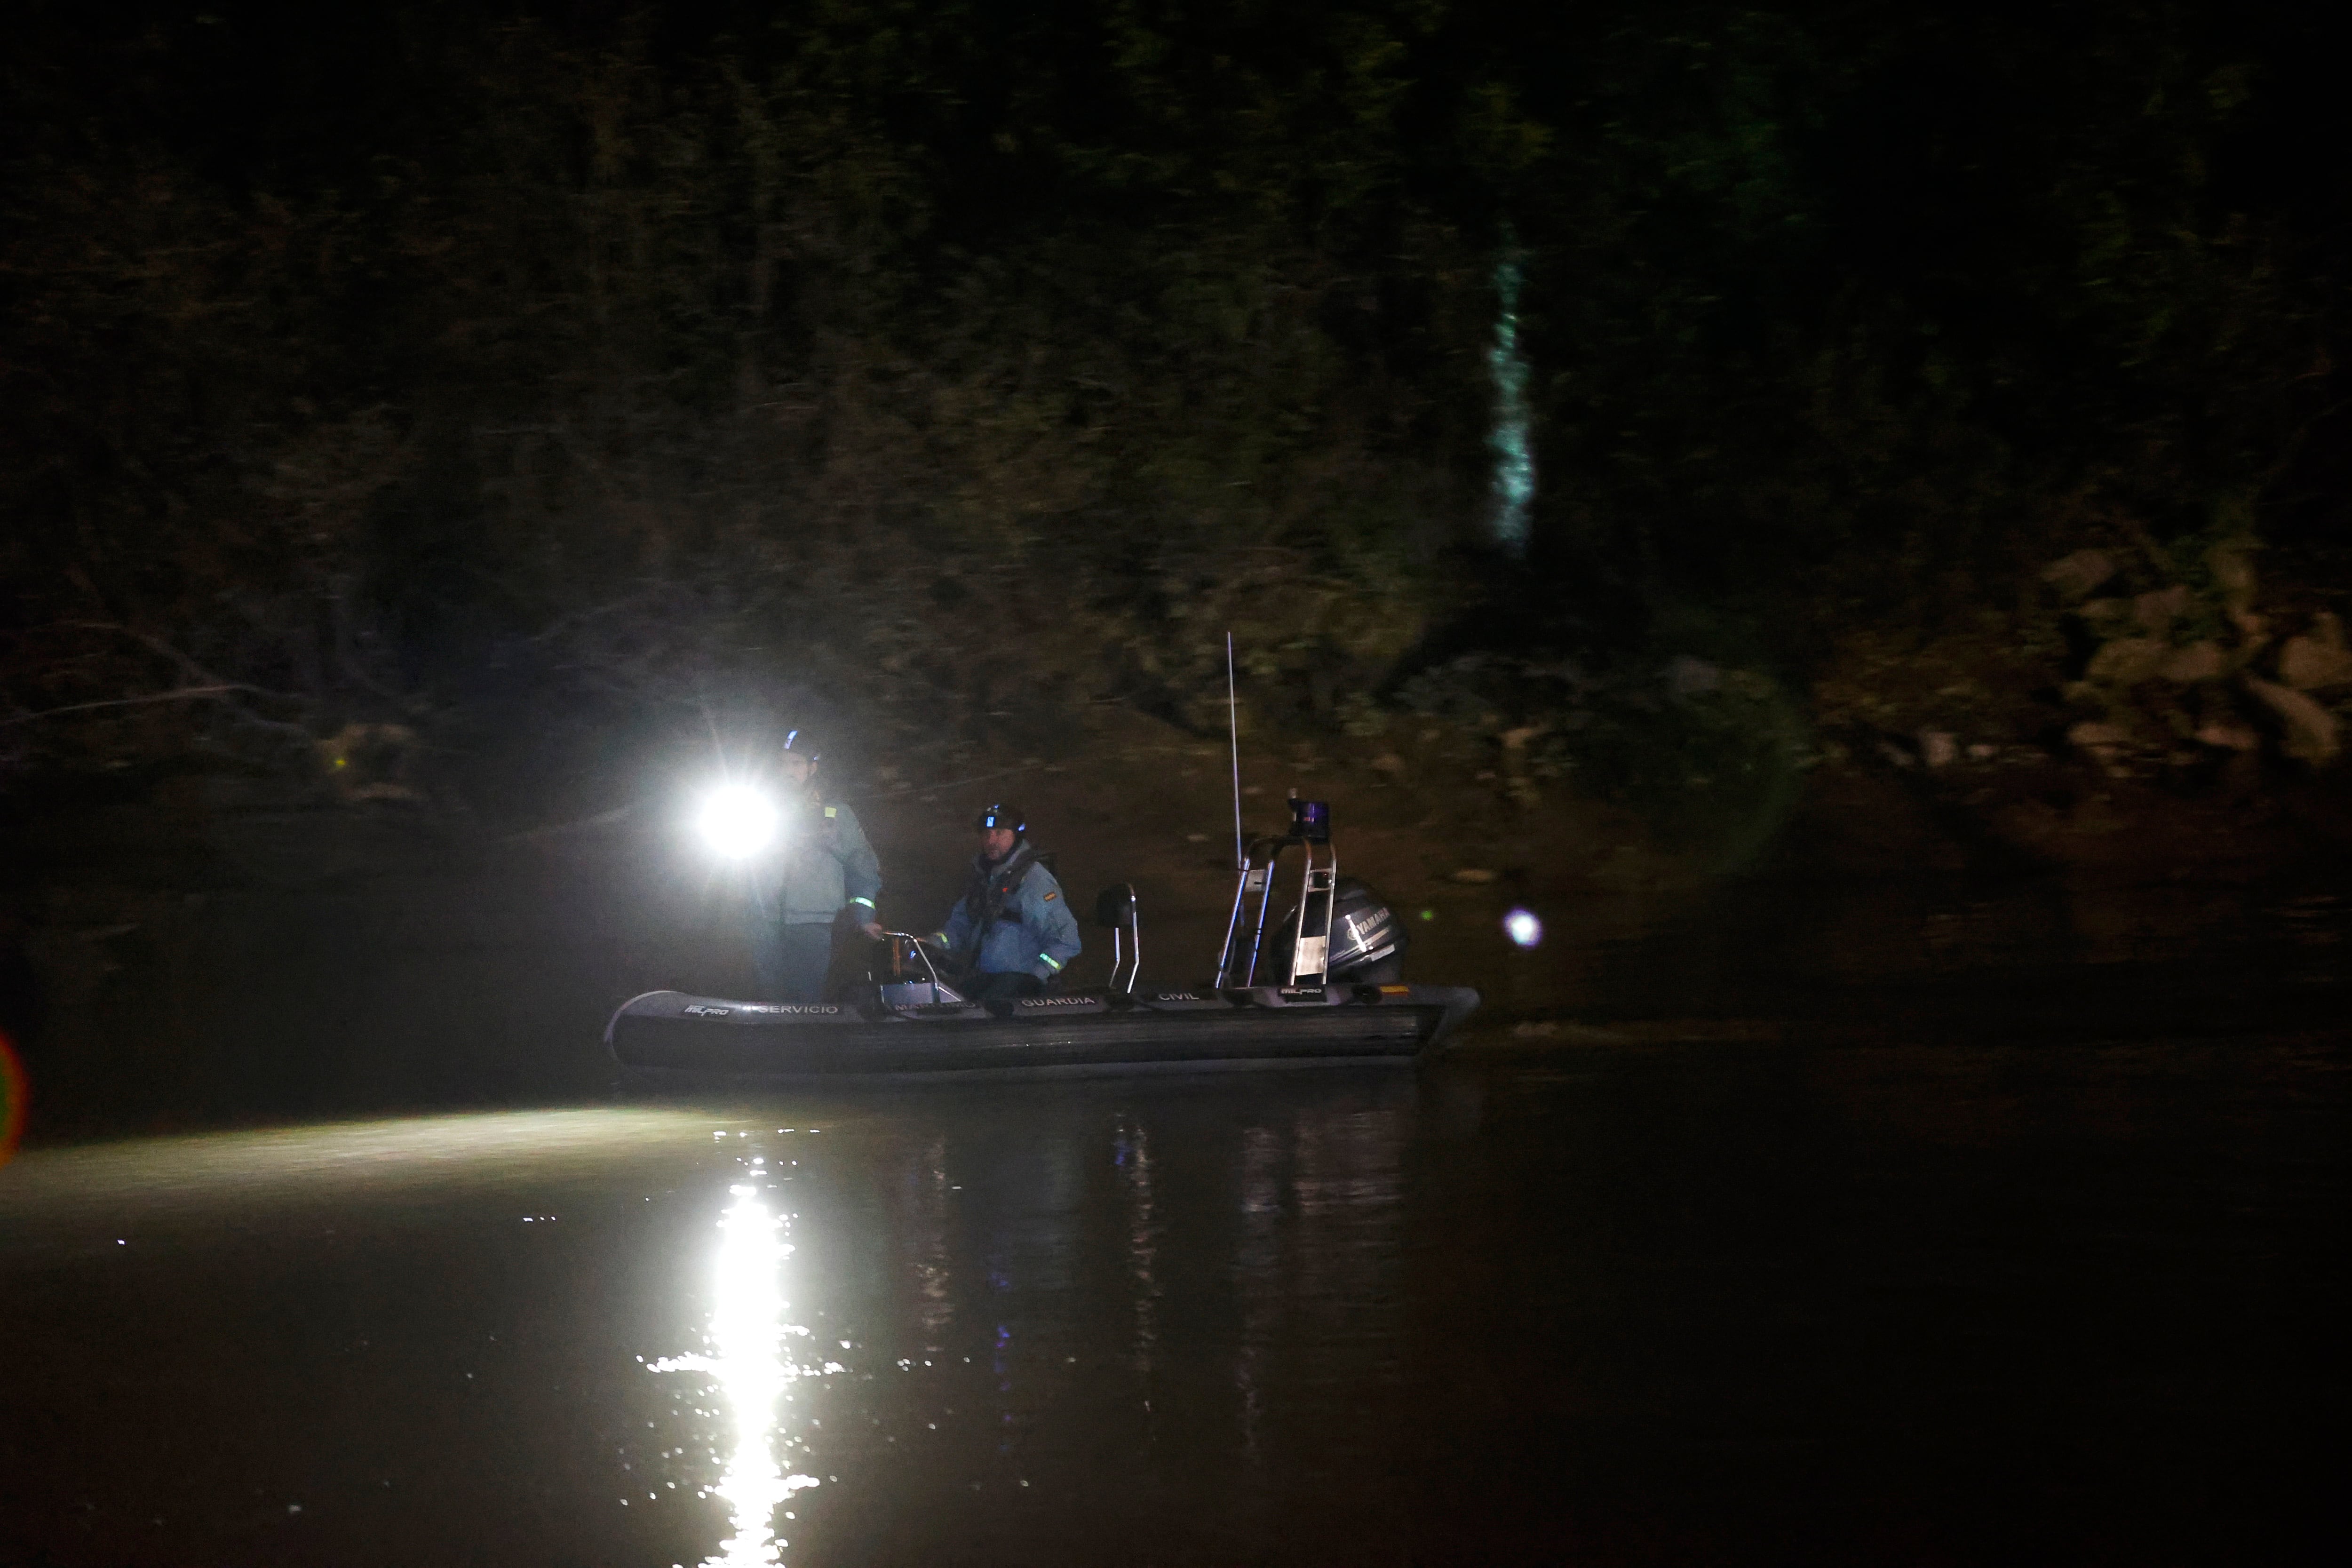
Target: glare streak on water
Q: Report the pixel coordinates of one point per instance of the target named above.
(746, 1333)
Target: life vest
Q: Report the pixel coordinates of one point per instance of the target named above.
(994, 894)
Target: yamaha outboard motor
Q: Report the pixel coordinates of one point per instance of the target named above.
(1368, 941)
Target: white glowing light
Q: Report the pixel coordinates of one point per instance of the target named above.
(1523, 928)
(737, 821)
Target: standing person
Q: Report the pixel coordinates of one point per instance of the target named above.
(824, 866)
(1012, 933)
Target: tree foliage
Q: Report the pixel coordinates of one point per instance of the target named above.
(926, 353)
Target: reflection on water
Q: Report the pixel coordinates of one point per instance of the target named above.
(1131, 1153)
(748, 1362)
(1257, 1256)
(1596, 1305)
(924, 1185)
(1215, 1280)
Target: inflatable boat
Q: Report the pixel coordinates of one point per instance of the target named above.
(1340, 1001)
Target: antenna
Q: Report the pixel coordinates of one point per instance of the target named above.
(1233, 725)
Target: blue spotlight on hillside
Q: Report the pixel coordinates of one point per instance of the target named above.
(1523, 928)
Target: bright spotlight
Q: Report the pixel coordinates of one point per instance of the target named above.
(1523, 928)
(737, 821)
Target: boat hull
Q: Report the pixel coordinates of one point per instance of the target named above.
(670, 1036)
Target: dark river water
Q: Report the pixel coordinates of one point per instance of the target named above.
(1769, 1300)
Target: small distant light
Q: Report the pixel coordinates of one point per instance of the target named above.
(1523, 928)
(1428, 914)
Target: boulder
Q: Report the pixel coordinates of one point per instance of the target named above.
(2307, 730)
(2309, 664)
(1938, 748)
(2104, 742)
(2198, 662)
(2316, 659)
(2229, 735)
(2080, 572)
(2232, 561)
(2126, 661)
(2156, 612)
(1687, 676)
(2108, 618)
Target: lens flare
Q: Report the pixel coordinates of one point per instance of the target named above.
(1523, 928)
(737, 821)
(13, 1093)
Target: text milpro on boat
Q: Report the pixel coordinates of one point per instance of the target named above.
(1337, 1001)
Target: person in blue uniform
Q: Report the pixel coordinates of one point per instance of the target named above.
(824, 866)
(1012, 933)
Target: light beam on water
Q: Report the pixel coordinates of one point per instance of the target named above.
(748, 1362)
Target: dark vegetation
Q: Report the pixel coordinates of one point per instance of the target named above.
(515, 387)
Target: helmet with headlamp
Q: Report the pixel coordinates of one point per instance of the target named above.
(1002, 816)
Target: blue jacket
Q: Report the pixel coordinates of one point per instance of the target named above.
(824, 863)
(1012, 920)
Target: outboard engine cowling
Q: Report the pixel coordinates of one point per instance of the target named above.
(1368, 941)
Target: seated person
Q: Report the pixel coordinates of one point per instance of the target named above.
(1012, 933)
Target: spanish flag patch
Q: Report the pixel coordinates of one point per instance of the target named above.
(1050, 896)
